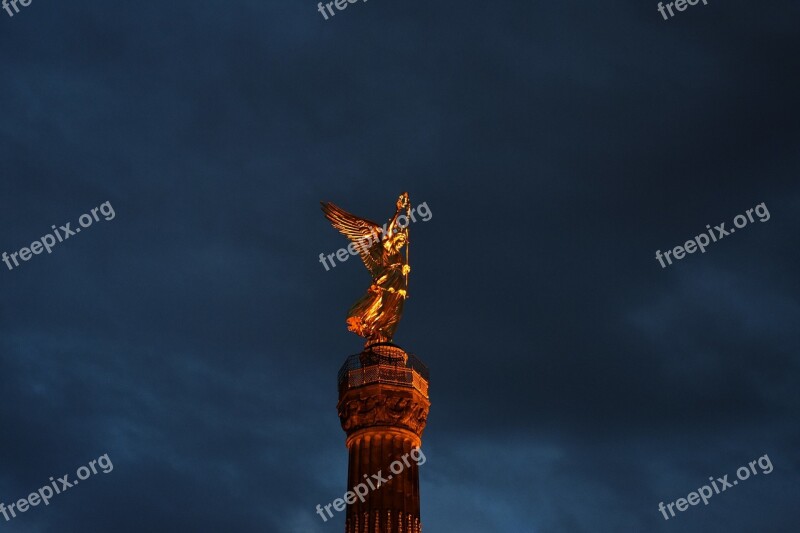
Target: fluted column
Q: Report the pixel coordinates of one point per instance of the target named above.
(384, 422)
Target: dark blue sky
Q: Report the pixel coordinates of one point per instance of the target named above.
(575, 384)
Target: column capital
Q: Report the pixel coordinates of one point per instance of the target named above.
(382, 405)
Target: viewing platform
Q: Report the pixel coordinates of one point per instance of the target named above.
(384, 363)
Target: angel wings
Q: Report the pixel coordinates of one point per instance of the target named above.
(365, 235)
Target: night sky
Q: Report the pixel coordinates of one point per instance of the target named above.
(575, 383)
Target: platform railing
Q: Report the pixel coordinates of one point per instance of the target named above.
(358, 371)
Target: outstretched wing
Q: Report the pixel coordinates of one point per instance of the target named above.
(363, 232)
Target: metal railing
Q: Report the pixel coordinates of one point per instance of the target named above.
(362, 369)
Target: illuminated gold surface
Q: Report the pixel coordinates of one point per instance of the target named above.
(375, 315)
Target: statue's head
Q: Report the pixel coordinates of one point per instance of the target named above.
(398, 241)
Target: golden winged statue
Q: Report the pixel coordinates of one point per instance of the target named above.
(376, 315)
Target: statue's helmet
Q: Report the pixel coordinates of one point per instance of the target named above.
(399, 240)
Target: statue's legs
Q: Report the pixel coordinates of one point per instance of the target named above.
(390, 313)
(362, 315)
